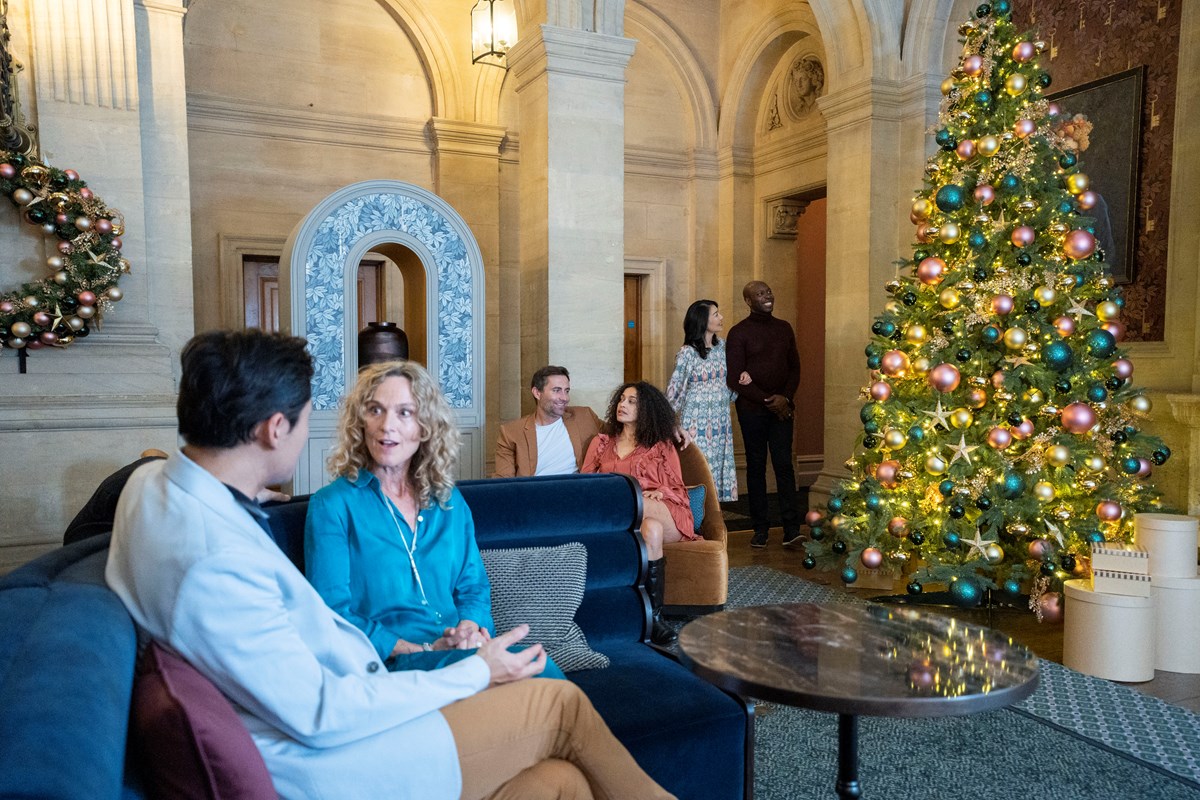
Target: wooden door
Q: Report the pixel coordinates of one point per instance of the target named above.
(260, 292)
(633, 327)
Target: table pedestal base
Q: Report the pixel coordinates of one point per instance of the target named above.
(848, 787)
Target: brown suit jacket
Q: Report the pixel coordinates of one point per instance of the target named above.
(516, 449)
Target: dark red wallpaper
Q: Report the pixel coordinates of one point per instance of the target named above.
(1091, 39)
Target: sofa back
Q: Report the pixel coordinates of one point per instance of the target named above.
(601, 511)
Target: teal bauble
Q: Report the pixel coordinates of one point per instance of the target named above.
(1094, 536)
(965, 593)
(809, 562)
(914, 588)
(976, 240)
(1066, 207)
(849, 575)
(868, 413)
(983, 98)
(1002, 8)
(983, 10)
(1066, 160)
(1010, 183)
(874, 501)
(874, 362)
(1058, 356)
(1100, 343)
(836, 504)
(917, 538)
(946, 487)
(1161, 455)
(871, 426)
(816, 533)
(1012, 587)
(1130, 465)
(990, 334)
(951, 539)
(838, 547)
(945, 139)
(1012, 485)
(916, 434)
(950, 197)
(1097, 393)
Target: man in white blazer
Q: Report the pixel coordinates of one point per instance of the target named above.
(192, 562)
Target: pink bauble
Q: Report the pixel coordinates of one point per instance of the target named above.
(1053, 109)
(1024, 430)
(914, 219)
(1079, 244)
(41, 318)
(1040, 548)
(8, 171)
(48, 337)
(812, 518)
(923, 233)
(61, 218)
(944, 378)
(985, 194)
(6, 307)
(65, 248)
(966, 149)
(1024, 128)
(871, 558)
(973, 65)
(85, 193)
(1144, 468)
(930, 270)
(1087, 200)
(116, 243)
(1122, 368)
(1002, 304)
(1109, 511)
(87, 298)
(999, 438)
(1078, 418)
(886, 472)
(1051, 605)
(897, 526)
(880, 391)
(1023, 236)
(894, 362)
(998, 379)
(1023, 52)
(922, 674)
(1115, 327)
(34, 344)
(1065, 326)
(103, 225)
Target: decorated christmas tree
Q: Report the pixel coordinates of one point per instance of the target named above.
(1001, 426)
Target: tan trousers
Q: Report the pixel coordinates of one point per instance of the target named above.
(541, 739)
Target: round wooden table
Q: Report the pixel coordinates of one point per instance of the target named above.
(859, 659)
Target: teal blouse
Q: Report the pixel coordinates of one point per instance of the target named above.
(358, 561)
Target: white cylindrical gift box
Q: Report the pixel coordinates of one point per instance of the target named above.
(1177, 624)
(1170, 539)
(1110, 636)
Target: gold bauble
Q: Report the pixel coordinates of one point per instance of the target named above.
(892, 286)
(1108, 310)
(950, 298)
(892, 307)
(1018, 528)
(58, 200)
(1062, 513)
(35, 173)
(1059, 455)
(989, 146)
(994, 553)
(20, 329)
(922, 208)
(1094, 463)
(894, 439)
(74, 323)
(87, 312)
(1032, 396)
(1089, 484)
(61, 277)
(1051, 410)
(935, 465)
(977, 398)
(915, 334)
(1039, 45)
(949, 233)
(1032, 347)
(1016, 84)
(1078, 183)
(982, 219)
(114, 293)
(948, 86)
(1015, 338)
(1045, 295)
(1060, 227)
(1104, 282)
(922, 365)
(1027, 205)
(1001, 270)
(933, 168)
(836, 522)
(1044, 491)
(961, 417)
(31, 301)
(1141, 404)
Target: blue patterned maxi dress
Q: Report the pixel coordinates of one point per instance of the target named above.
(698, 393)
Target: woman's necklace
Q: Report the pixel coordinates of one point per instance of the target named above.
(411, 550)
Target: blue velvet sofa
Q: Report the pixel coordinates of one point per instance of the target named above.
(67, 651)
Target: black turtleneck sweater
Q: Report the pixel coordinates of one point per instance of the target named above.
(766, 348)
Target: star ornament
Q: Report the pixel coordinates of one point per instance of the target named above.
(1078, 310)
(940, 416)
(962, 450)
(978, 545)
(1056, 532)
(1019, 361)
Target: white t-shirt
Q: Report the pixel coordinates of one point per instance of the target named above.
(555, 455)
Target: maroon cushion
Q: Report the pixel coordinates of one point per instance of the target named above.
(187, 738)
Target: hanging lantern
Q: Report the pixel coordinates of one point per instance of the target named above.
(493, 32)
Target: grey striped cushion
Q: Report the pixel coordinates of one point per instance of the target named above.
(543, 587)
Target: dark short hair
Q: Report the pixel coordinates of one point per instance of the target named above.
(656, 419)
(233, 380)
(695, 325)
(540, 377)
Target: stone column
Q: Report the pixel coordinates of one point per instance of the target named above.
(571, 88)
(864, 211)
(467, 176)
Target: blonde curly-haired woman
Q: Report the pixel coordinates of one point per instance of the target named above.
(390, 544)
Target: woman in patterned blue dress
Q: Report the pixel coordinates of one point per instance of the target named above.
(698, 393)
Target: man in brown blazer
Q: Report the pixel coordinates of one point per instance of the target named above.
(551, 440)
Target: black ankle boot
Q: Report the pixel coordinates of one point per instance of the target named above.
(660, 632)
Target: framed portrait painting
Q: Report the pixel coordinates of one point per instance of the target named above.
(1109, 140)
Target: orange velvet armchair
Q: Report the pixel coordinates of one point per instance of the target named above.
(697, 572)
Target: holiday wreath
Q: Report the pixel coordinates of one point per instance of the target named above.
(86, 264)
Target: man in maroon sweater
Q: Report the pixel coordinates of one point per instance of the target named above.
(765, 348)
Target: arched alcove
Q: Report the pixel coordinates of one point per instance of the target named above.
(443, 296)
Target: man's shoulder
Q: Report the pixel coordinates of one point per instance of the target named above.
(517, 425)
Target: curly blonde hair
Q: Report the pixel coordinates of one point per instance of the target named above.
(431, 471)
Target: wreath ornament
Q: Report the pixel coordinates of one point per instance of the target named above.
(86, 263)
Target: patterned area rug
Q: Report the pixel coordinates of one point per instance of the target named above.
(1075, 737)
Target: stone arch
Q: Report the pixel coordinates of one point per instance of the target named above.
(647, 26)
(319, 273)
(927, 36)
(430, 43)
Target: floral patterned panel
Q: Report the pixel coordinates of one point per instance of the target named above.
(324, 290)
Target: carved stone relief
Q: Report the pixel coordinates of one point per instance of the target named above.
(782, 216)
(804, 84)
